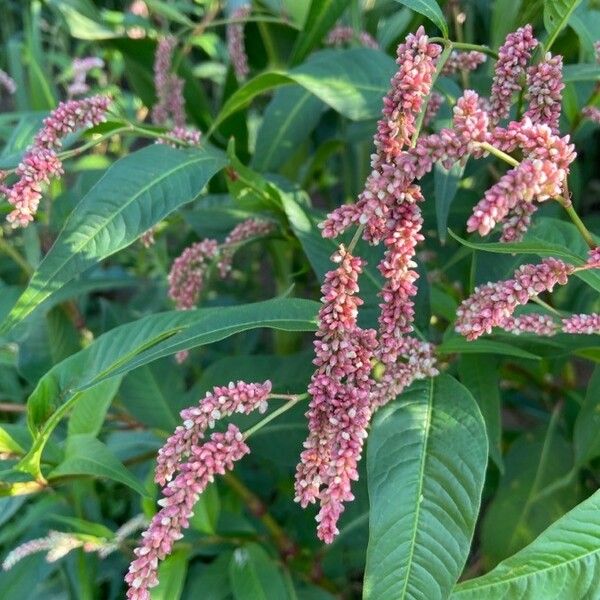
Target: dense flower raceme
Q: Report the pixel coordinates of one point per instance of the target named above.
(513, 57)
(169, 87)
(214, 457)
(433, 106)
(582, 324)
(534, 323)
(463, 61)
(7, 82)
(544, 91)
(342, 34)
(40, 162)
(81, 67)
(339, 411)
(492, 303)
(223, 401)
(235, 42)
(592, 113)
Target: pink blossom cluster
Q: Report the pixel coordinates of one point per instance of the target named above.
(592, 113)
(593, 260)
(40, 162)
(463, 61)
(342, 34)
(535, 323)
(214, 457)
(235, 42)
(340, 410)
(169, 87)
(186, 277)
(513, 57)
(222, 401)
(544, 91)
(244, 231)
(81, 67)
(582, 324)
(7, 82)
(491, 304)
(433, 106)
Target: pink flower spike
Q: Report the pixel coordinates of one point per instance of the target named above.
(246, 230)
(169, 87)
(341, 35)
(491, 304)
(235, 42)
(592, 113)
(433, 106)
(222, 401)
(535, 323)
(7, 82)
(593, 261)
(544, 91)
(582, 324)
(186, 277)
(513, 57)
(463, 61)
(214, 457)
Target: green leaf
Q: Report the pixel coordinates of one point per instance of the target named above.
(521, 509)
(8, 445)
(85, 455)
(429, 9)
(254, 575)
(288, 121)
(479, 373)
(322, 15)
(587, 424)
(426, 463)
(504, 20)
(136, 344)
(206, 511)
(445, 187)
(460, 345)
(556, 16)
(563, 563)
(133, 195)
(171, 576)
(352, 82)
(581, 72)
(89, 413)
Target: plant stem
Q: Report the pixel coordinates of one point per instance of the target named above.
(545, 305)
(274, 415)
(355, 238)
(498, 153)
(16, 256)
(463, 46)
(565, 200)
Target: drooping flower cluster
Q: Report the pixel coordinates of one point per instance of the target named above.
(339, 411)
(169, 87)
(463, 61)
(242, 232)
(235, 42)
(544, 91)
(187, 273)
(214, 457)
(582, 324)
(341, 35)
(491, 304)
(513, 57)
(221, 402)
(7, 82)
(81, 67)
(40, 162)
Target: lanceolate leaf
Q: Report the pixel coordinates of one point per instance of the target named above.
(563, 563)
(133, 195)
(136, 344)
(587, 425)
(426, 462)
(351, 82)
(556, 16)
(429, 9)
(445, 185)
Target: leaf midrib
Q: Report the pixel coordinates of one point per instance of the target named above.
(413, 541)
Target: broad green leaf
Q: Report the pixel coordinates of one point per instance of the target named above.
(460, 345)
(521, 509)
(210, 581)
(169, 12)
(171, 576)
(563, 563)
(288, 121)
(504, 20)
(352, 82)
(85, 455)
(81, 25)
(556, 16)
(133, 195)
(587, 425)
(581, 72)
(479, 374)
(8, 445)
(445, 187)
(254, 575)
(138, 343)
(429, 9)
(206, 511)
(321, 16)
(426, 463)
(89, 413)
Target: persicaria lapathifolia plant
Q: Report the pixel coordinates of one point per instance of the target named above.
(181, 183)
